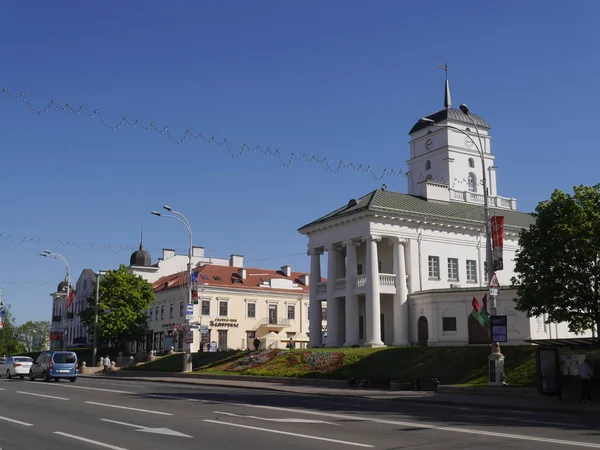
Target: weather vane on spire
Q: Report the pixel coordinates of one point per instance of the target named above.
(447, 99)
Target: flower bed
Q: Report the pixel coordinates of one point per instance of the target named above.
(252, 360)
(323, 361)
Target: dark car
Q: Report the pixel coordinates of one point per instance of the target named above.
(55, 365)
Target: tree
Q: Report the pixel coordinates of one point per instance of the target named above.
(558, 265)
(123, 301)
(9, 345)
(33, 336)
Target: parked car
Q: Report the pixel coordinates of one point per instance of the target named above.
(15, 366)
(55, 365)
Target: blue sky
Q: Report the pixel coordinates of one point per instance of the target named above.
(344, 80)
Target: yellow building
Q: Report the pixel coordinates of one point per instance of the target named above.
(233, 307)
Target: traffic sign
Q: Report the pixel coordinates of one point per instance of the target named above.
(190, 309)
(494, 281)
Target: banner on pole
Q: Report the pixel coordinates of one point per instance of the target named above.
(497, 225)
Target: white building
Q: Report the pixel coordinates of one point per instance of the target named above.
(404, 268)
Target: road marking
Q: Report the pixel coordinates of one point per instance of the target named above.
(426, 426)
(2, 389)
(8, 419)
(42, 395)
(89, 441)
(306, 436)
(129, 408)
(283, 420)
(143, 429)
(114, 391)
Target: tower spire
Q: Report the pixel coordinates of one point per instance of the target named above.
(142, 238)
(447, 98)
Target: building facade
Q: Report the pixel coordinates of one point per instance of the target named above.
(234, 306)
(405, 269)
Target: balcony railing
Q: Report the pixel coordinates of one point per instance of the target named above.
(387, 285)
(56, 318)
(271, 322)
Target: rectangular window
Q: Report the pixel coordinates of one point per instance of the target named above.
(162, 312)
(180, 309)
(252, 310)
(206, 307)
(222, 339)
(151, 314)
(156, 313)
(448, 324)
(323, 312)
(361, 328)
(485, 271)
(223, 309)
(359, 269)
(453, 269)
(291, 310)
(434, 267)
(471, 271)
(171, 310)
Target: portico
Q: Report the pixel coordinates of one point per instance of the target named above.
(366, 289)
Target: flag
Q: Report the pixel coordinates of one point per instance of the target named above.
(70, 299)
(194, 277)
(1, 319)
(497, 225)
(484, 314)
(476, 313)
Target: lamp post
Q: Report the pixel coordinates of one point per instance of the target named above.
(95, 350)
(63, 259)
(187, 356)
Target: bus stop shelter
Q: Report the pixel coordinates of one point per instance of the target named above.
(557, 364)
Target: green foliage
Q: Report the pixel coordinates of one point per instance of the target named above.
(9, 344)
(33, 336)
(123, 301)
(558, 265)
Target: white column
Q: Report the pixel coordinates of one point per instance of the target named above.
(333, 310)
(352, 314)
(400, 305)
(373, 305)
(314, 323)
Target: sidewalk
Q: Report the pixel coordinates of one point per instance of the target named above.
(497, 398)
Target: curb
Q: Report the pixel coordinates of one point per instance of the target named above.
(256, 388)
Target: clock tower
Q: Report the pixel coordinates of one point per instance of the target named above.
(445, 160)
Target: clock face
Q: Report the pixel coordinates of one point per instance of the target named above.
(428, 144)
(468, 142)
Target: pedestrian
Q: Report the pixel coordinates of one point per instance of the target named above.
(106, 364)
(586, 375)
(256, 344)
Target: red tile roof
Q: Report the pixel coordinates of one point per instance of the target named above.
(227, 276)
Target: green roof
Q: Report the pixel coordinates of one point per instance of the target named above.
(410, 206)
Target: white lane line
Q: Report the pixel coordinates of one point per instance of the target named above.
(89, 441)
(114, 391)
(8, 419)
(427, 426)
(119, 384)
(42, 395)
(306, 436)
(130, 409)
(2, 389)
(279, 420)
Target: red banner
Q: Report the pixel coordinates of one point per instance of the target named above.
(497, 225)
(56, 335)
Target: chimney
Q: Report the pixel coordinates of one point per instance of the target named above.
(287, 270)
(242, 273)
(168, 253)
(304, 279)
(236, 261)
(198, 252)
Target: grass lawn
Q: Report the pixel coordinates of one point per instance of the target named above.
(451, 365)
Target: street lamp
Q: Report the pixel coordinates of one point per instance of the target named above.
(95, 350)
(63, 259)
(486, 208)
(187, 357)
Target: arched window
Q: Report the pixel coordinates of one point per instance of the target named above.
(427, 165)
(471, 162)
(472, 182)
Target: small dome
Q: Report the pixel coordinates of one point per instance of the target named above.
(62, 287)
(140, 258)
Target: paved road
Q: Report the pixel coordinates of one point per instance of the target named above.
(124, 415)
